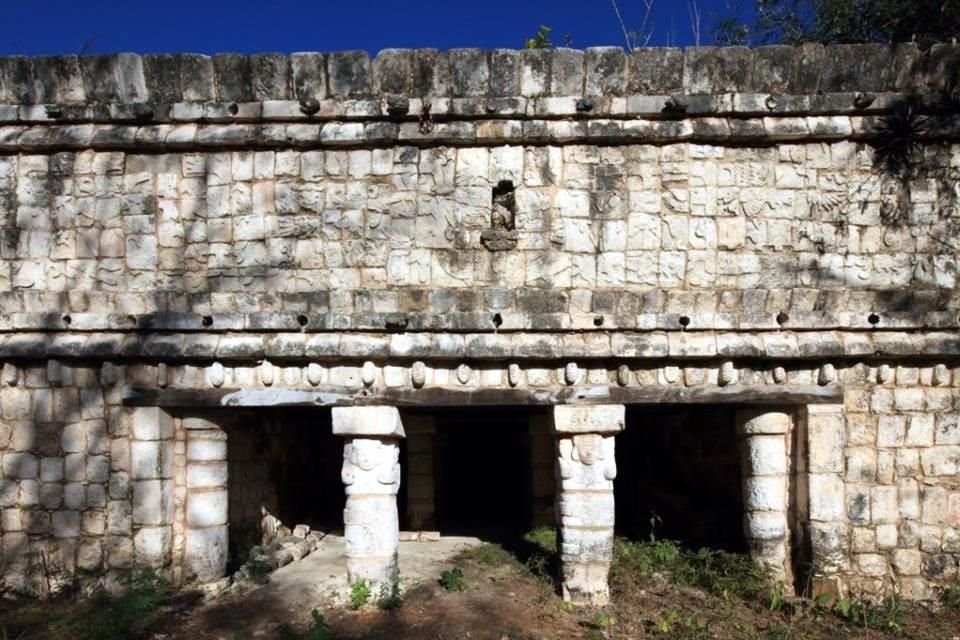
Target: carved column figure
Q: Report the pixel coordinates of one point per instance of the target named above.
(586, 468)
(371, 478)
(764, 447)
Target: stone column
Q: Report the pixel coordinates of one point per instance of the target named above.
(371, 477)
(421, 507)
(765, 464)
(586, 467)
(151, 481)
(542, 459)
(207, 503)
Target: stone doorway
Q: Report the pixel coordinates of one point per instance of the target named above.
(482, 471)
(284, 470)
(680, 467)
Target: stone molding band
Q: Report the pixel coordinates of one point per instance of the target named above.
(299, 347)
(353, 135)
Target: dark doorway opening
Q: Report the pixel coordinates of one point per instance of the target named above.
(285, 462)
(679, 476)
(482, 473)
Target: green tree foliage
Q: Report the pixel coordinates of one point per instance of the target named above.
(540, 40)
(925, 22)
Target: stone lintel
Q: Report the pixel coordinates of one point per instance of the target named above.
(379, 421)
(599, 418)
(583, 396)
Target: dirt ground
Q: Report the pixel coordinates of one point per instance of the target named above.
(501, 599)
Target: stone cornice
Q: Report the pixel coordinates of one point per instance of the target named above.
(811, 69)
(465, 97)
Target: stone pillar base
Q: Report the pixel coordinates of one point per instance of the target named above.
(585, 583)
(372, 533)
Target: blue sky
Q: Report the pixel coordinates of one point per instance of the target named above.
(48, 27)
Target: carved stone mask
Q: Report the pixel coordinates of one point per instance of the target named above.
(588, 448)
(365, 453)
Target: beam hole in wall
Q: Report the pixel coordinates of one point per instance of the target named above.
(684, 321)
(873, 319)
(497, 320)
(302, 320)
(598, 321)
(206, 321)
(783, 318)
(66, 319)
(233, 109)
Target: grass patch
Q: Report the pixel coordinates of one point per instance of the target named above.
(889, 615)
(950, 596)
(540, 553)
(115, 617)
(489, 554)
(717, 572)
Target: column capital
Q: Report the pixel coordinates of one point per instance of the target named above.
(367, 422)
(593, 418)
(760, 421)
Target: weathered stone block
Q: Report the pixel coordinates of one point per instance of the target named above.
(588, 419)
(367, 421)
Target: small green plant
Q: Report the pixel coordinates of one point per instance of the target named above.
(319, 629)
(674, 625)
(452, 580)
(602, 620)
(389, 597)
(540, 40)
(776, 598)
(359, 594)
(950, 596)
(887, 616)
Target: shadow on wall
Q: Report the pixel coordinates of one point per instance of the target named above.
(65, 492)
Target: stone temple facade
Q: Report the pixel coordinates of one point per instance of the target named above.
(234, 288)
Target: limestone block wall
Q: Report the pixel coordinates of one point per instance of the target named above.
(351, 237)
(186, 233)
